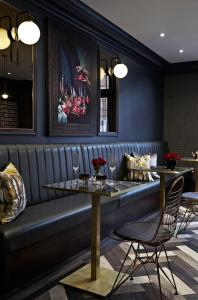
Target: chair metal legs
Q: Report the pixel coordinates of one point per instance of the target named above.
(119, 281)
(143, 259)
(158, 272)
(188, 215)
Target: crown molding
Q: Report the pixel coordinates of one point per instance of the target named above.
(82, 16)
(85, 18)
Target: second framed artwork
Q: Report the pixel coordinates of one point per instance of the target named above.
(72, 81)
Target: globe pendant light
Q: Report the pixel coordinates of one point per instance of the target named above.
(120, 70)
(4, 39)
(28, 32)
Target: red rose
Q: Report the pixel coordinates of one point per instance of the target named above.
(98, 162)
(171, 156)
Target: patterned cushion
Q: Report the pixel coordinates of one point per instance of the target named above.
(153, 162)
(140, 163)
(12, 194)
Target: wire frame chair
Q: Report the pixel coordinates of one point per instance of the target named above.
(152, 235)
(190, 202)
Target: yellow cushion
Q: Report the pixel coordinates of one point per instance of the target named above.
(138, 163)
(12, 194)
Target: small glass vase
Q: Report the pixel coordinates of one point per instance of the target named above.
(97, 172)
(171, 164)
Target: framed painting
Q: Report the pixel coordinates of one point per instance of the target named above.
(72, 81)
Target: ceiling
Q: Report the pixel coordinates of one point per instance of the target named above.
(146, 19)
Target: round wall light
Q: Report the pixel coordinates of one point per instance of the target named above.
(28, 32)
(14, 35)
(120, 70)
(4, 96)
(4, 39)
(102, 73)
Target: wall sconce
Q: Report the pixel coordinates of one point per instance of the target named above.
(103, 71)
(4, 33)
(26, 30)
(120, 70)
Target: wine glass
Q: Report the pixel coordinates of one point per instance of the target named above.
(76, 164)
(112, 165)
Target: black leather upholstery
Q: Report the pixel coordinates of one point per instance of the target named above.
(137, 231)
(41, 164)
(62, 218)
(144, 190)
(92, 151)
(41, 221)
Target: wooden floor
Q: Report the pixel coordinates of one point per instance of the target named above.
(183, 253)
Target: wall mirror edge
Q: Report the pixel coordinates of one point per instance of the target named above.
(109, 95)
(31, 128)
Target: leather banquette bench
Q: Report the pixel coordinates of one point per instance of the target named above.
(54, 225)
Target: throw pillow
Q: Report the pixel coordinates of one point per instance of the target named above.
(139, 163)
(153, 162)
(12, 194)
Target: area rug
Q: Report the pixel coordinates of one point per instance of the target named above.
(183, 253)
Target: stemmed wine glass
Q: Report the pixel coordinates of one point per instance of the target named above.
(76, 164)
(112, 165)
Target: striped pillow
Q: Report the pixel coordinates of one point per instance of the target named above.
(12, 194)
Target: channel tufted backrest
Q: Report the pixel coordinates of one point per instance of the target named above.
(42, 164)
(90, 151)
(39, 165)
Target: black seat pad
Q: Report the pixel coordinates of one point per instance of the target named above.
(137, 231)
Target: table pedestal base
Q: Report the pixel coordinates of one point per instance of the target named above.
(80, 279)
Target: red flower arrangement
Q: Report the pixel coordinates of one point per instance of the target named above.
(98, 163)
(171, 156)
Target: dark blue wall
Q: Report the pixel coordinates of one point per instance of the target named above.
(141, 102)
(140, 95)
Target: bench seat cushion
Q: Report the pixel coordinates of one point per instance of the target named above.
(143, 190)
(44, 220)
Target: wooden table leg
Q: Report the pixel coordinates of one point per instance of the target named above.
(162, 191)
(95, 237)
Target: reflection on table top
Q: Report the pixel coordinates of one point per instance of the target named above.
(106, 188)
(164, 170)
(189, 159)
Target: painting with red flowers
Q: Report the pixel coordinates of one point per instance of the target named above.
(72, 74)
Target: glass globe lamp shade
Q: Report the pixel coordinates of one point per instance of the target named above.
(4, 39)
(120, 70)
(4, 96)
(110, 71)
(102, 73)
(29, 32)
(14, 34)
